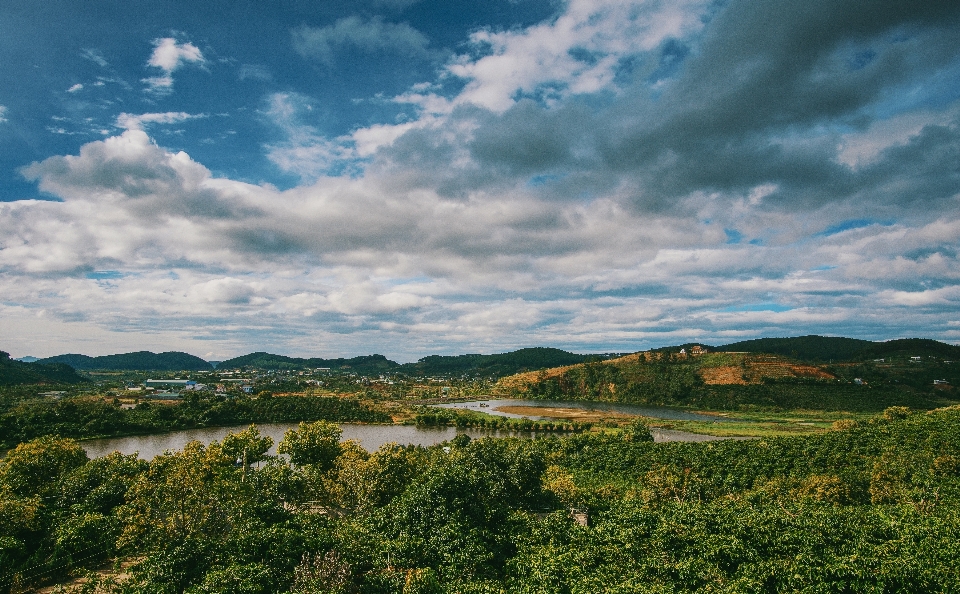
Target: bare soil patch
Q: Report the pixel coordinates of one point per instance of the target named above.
(725, 375)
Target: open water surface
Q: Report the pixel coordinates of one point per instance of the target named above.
(370, 437)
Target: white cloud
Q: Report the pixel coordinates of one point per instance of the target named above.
(3, 114)
(577, 53)
(95, 56)
(553, 200)
(169, 55)
(497, 270)
(305, 152)
(861, 148)
(129, 121)
(373, 35)
(75, 88)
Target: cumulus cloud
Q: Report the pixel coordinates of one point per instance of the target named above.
(625, 175)
(169, 55)
(580, 52)
(369, 36)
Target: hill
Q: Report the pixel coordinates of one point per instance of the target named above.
(744, 380)
(138, 361)
(15, 373)
(261, 360)
(829, 348)
(498, 365)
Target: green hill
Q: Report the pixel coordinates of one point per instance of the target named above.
(260, 360)
(499, 365)
(14, 373)
(138, 361)
(830, 348)
(804, 348)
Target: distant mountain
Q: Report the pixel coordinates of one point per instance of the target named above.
(805, 348)
(530, 359)
(363, 364)
(912, 347)
(139, 361)
(828, 348)
(499, 365)
(14, 373)
(27, 359)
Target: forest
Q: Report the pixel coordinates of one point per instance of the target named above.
(868, 507)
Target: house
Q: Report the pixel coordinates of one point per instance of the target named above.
(697, 350)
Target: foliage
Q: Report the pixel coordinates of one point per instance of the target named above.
(247, 446)
(317, 444)
(35, 467)
(671, 379)
(498, 365)
(870, 507)
(14, 373)
(140, 360)
(827, 348)
(86, 417)
(260, 360)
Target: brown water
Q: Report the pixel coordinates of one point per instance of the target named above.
(370, 437)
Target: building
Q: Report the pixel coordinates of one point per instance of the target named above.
(173, 383)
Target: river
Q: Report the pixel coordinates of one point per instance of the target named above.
(370, 437)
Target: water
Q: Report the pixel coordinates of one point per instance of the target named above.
(370, 437)
(656, 412)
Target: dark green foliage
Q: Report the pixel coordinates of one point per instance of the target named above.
(482, 365)
(499, 365)
(260, 360)
(14, 373)
(139, 361)
(804, 348)
(829, 348)
(81, 417)
(872, 508)
(317, 444)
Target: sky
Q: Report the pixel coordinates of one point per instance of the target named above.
(417, 177)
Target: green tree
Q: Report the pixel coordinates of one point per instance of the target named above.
(35, 467)
(247, 445)
(194, 493)
(316, 443)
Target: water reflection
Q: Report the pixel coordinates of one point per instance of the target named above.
(370, 437)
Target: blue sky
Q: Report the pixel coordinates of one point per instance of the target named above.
(411, 177)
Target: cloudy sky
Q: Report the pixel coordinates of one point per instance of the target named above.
(411, 177)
